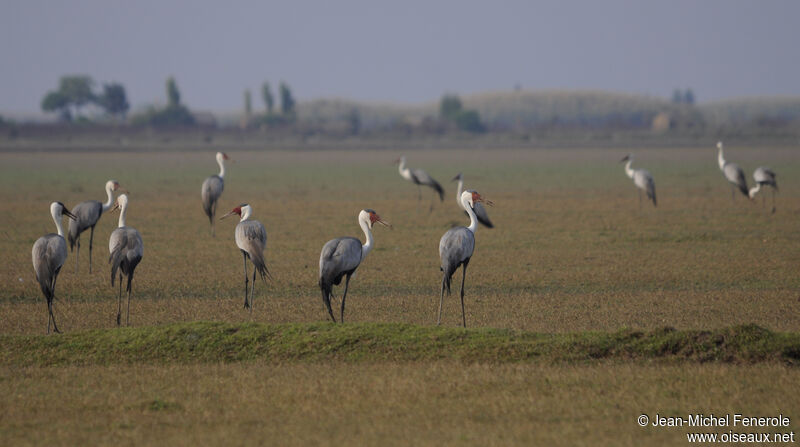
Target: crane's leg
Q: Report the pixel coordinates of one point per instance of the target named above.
(463, 278)
(773, 200)
(344, 295)
(128, 312)
(246, 289)
(253, 289)
(52, 317)
(213, 214)
(49, 316)
(433, 202)
(91, 239)
(733, 194)
(441, 300)
(119, 301)
(77, 251)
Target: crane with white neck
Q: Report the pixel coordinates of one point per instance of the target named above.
(86, 216)
(733, 174)
(642, 179)
(251, 238)
(341, 257)
(419, 177)
(480, 211)
(764, 177)
(125, 249)
(49, 253)
(455, 249)
(212, 190)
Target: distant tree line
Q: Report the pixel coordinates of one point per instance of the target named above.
(270, 117)
(75, 92)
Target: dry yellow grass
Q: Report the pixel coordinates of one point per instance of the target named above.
(572, 250)
(438, 403)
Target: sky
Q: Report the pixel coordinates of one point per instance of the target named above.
(407, 51)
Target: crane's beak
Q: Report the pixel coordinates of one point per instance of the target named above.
(116, 207)
(67, 213)
(625, 158)
(458, 177)
(488, 202)
(384, 223)
(227, 215)
(123, 190)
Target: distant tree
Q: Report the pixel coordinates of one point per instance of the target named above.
(354, 120)
(470, 121)
(677, 96)
(57, 102)
(688, 97)
(248, 110)
(287, 100)
(173, 95)
(114, 100)
(78, 90)
(269, 100)
(450, 106)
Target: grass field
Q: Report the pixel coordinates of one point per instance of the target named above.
(572, 252)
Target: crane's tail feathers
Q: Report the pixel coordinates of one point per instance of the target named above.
(438, 189)
(327, 292)
(743, 189)
(72, 234)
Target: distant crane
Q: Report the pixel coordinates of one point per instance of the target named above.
(733, 173)
(212, 189)
(641, 178)
(480, 211)
(341, 257)
(125, 249)
(764, 176)
(49, 253)
(86, 216)
(251, 238)
(419, 177)
(455, 249)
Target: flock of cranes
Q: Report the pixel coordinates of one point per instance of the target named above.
(340, 257)
(763, 176)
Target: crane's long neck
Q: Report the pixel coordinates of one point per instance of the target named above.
(246, 212)
(221, 164)
(720, 159)
(629, 169)
(59, 228)
(473, 220)
(110, 199)
(403, 170)
(123, 212)
(754, 190)
(368, 234)
(458, 192)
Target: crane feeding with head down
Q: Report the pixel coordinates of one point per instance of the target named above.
(49, 253)
(251, 238)
(341, 257)
(456, 248)
(764, 177)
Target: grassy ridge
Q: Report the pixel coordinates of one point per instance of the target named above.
(225, 342)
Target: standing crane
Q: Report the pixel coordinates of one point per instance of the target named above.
(733, 173)
(764, 176)
(49, 253)
(455, 249)
(251, 238)
(86, 216)
(341, 257)
(125, 249)
(212, 189)
(480, 211)
(641, 178)
(419, 177)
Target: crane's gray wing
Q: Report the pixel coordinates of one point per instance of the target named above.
(49, 253)
(251, 236)
(210, 192)
(421, 177)
(86, 215)
(125, 246)
(339, 256)
(455, 246)
(735, 175)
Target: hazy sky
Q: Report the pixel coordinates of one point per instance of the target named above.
(397, 51)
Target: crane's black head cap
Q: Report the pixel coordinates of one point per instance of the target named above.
(243, 205)
(369, 210)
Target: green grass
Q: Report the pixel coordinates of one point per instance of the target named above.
(371, 342)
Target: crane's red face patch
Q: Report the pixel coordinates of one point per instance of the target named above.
(225, 156)
(237, 210)
(476, 197)
(374, 217)
(116, 186)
